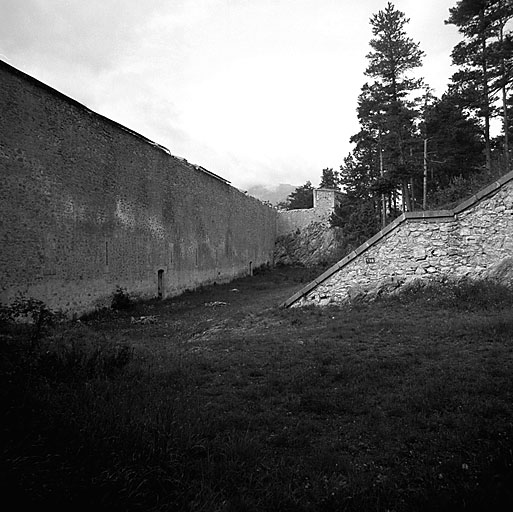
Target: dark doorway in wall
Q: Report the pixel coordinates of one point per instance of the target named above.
(250, 268)
(160, 284)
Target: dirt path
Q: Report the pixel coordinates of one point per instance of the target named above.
(210, 309)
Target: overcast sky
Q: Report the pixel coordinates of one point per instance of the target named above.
(258, 91)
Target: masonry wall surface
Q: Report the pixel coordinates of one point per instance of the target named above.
(466, 242)
(86, 205)
(290, 221)
(325, 199)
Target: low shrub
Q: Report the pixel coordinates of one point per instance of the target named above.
(121, 299)
(31, 313)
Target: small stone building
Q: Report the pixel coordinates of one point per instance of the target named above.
(469, 241)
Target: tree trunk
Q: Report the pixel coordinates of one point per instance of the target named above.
(406, 197)
(504, 100)
(505, 123)
(383, 203)
(424, 180)
(486, 99)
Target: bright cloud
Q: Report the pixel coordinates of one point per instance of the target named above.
(258, 92)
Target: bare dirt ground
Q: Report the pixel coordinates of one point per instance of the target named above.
(207, 310)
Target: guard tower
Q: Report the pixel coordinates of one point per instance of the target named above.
(325, 199)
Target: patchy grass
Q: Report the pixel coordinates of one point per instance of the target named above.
(226, 403)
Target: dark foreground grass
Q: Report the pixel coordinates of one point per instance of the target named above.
(405, 404)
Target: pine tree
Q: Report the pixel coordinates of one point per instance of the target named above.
(329, 179)
(501, 53)
(485, 58)
(301, 198)
(387, 111)
(454, 140)
(358, 211)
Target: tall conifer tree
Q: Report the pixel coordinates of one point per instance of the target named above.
(485, 57)
(386, 108)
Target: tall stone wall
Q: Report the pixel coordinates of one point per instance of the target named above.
(86, 205)
(468, 241)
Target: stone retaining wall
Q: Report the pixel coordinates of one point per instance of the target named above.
(466, 241)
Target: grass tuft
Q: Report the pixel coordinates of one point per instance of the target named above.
(460, 294)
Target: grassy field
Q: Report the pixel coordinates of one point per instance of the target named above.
(220, 401)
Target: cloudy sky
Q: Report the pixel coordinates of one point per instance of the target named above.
(258, 91)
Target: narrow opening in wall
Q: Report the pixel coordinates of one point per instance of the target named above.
(250, 268)
(160, 284)
(106, 253)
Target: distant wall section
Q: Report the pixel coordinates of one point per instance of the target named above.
(86, 205)
(289, 221)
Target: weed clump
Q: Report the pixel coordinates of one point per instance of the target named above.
(71, 358)
(464, 294)
(32, 314)
(27, 310)
(32, 345)
(121, 299)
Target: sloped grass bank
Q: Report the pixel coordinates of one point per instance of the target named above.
(226, 403)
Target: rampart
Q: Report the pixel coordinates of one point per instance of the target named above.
(289, 221)
(87, 205)
(468, 241)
